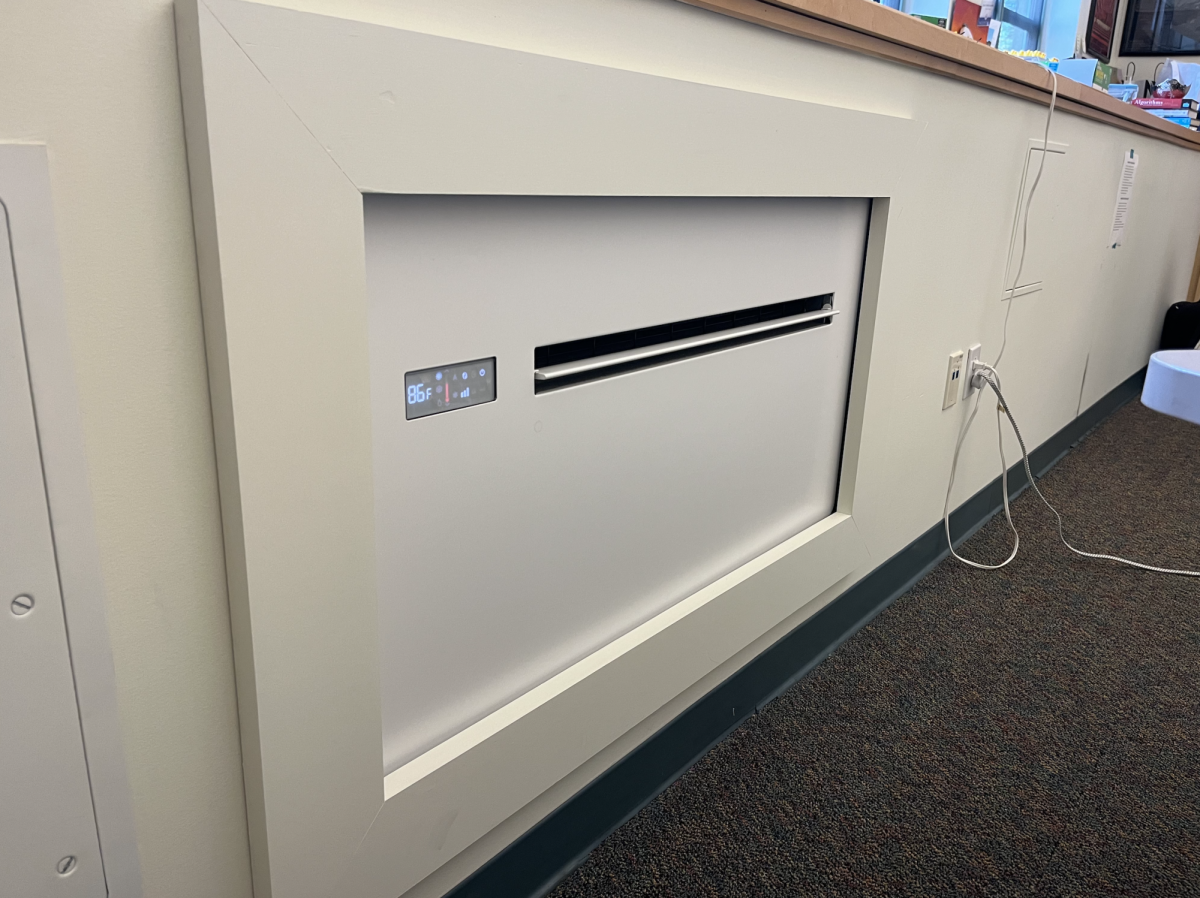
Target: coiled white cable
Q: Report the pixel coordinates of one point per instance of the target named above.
(1005, 287)
(962, 435)
(990, 376)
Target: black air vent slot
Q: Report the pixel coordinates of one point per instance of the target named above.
(577, 361)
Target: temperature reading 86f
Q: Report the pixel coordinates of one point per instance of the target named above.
(430, 391)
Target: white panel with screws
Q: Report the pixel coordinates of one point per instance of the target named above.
(48, 841)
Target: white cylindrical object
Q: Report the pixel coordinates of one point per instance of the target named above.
(1173, 384)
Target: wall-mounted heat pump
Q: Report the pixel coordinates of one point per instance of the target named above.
(585, 409)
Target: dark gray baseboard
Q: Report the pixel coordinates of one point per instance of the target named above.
(533, 864)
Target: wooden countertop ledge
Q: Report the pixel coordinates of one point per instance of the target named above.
(876, 30)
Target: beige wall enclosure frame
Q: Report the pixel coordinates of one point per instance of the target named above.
(290, 118)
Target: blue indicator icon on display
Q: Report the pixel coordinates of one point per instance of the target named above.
(482, 372)
(438, 375)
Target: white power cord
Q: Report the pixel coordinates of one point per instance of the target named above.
(962, 435)
(991, 377)
(1005, 288)
(1012, 289)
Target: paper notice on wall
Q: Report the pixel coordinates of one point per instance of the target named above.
(1124, 192)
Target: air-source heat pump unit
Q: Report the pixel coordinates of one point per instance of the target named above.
(585, 409)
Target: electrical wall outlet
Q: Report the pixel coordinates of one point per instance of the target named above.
(953, 378)
(973, 383)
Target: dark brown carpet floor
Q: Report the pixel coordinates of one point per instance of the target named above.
(1027, 732)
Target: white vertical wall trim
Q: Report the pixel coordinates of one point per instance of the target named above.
(25, 187)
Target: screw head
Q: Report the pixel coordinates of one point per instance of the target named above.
(66, 866)
(22, 604)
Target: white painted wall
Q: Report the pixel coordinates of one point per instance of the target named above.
(98, 84)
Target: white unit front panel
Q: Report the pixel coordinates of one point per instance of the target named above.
(46, 820)
(516, 536)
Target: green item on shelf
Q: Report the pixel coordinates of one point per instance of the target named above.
(1087, 71)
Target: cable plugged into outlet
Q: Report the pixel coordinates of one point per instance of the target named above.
(977, 371)
(991, 379)
(974, 379)
(979, 374)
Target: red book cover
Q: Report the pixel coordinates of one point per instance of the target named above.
(1163, 103)
(964, 20)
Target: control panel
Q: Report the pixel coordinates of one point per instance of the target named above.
(431, 391)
